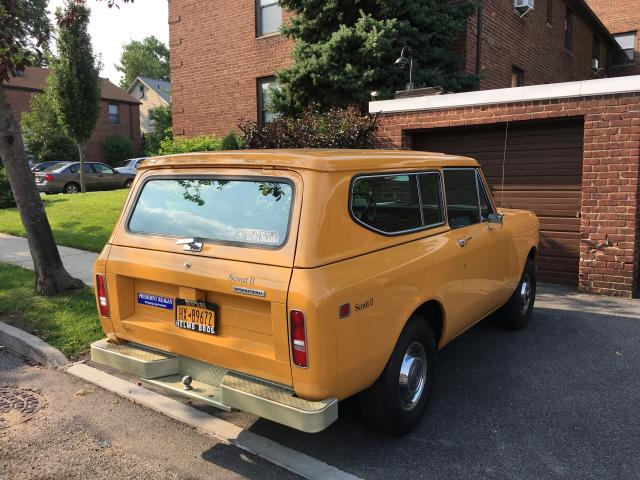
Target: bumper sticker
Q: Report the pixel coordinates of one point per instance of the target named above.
(155, 301)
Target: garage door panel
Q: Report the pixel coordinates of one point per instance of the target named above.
(542, 173)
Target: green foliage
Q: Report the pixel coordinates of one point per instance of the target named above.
(148, 58)
(343, 53)
(6, 195)
(74, 80)
(315, 128)
(69, 322)
(117, 149)
(232, 141)
(186, 145)
(24, 33)
(43, 132)
(79, 221)
(162, 124)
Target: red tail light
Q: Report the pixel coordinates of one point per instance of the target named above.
(102, 295)
(298, 329)
(48, 177)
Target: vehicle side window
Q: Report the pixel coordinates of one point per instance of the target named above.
(431, 198)
(387, 203)
(462, 197)
(485, 203)
(100, 168)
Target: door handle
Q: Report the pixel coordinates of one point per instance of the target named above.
(463, 241)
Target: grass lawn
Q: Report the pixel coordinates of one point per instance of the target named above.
(82, 221)
(68, 322)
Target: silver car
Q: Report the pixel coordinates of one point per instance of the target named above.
(131, 165)
(65, 178)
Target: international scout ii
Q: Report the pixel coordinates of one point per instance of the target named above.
(280, 282)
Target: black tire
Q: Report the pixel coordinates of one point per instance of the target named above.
(516, 313)
(128, 183)
(387, 406)
(71, 187)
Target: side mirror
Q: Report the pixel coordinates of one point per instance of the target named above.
(495, 218)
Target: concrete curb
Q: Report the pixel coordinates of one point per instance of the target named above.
(32, 347)
(292, 460)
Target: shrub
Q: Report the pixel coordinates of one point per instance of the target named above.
(232, 141)
(6, 195)
(162, 122)
(315, 128)
(117, 149)
(170, 146)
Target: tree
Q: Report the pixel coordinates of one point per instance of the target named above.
(74, 81)
(24, 33)
(162, 122)
(149, 58)
(116, 149)
(24, 29)
(343, 53)
(43, 132)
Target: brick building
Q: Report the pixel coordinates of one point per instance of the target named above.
(623, 21)
(119, 112)
(569, 151)
(224, 54)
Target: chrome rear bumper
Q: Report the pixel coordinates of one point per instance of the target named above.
(217, 386)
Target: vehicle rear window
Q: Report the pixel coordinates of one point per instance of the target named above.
(249, 212)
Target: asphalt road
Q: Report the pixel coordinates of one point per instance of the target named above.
(84, 432)
(558, 400)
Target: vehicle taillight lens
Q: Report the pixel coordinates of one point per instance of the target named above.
(102, 295)
(298, 331)
(48, 177)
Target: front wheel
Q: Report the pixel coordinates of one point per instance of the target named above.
(396, 402)
(516, 313)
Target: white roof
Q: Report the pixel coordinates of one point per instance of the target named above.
(604, 86)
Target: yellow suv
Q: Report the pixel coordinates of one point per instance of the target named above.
(280, 282)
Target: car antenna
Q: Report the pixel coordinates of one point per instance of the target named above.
(504, 161)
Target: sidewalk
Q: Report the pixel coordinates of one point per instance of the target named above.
(15, 250)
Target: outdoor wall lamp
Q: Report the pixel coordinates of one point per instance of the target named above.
(405, 61)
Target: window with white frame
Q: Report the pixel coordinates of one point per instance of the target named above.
(265, 110)
(268, 17)
(114, 113)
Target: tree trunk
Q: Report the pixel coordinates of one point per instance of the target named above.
(50, 275)
(81, 156)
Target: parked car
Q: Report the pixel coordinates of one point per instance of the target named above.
(42, 166)
(131, 166)
(65, 178)
(280, 282)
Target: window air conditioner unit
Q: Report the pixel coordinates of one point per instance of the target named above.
(522, 7)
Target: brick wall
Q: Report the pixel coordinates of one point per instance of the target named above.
(610, 229)
(129, 125)
(215, 62)
(532, 45)
(620, 17)
(216, 58)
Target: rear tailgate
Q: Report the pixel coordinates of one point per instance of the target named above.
(244, 284)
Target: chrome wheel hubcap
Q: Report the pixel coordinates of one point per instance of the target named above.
(525, 294)
(413, 375)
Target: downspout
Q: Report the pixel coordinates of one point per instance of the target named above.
(479, 38)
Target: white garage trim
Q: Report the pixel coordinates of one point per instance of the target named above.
(586, 88)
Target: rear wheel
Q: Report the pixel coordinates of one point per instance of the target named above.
(397, 401)
(71, 187)
(516, 313)
(128, 183)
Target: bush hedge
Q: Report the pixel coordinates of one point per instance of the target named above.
(117, 149)
(6, 195)
(170, 146)
(315, 128)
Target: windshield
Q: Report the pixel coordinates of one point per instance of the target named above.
(254, 212)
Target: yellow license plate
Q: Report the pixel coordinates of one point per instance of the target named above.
(196, 316)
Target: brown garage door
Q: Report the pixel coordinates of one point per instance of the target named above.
(543, 172)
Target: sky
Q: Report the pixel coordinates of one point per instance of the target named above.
(110, 28)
